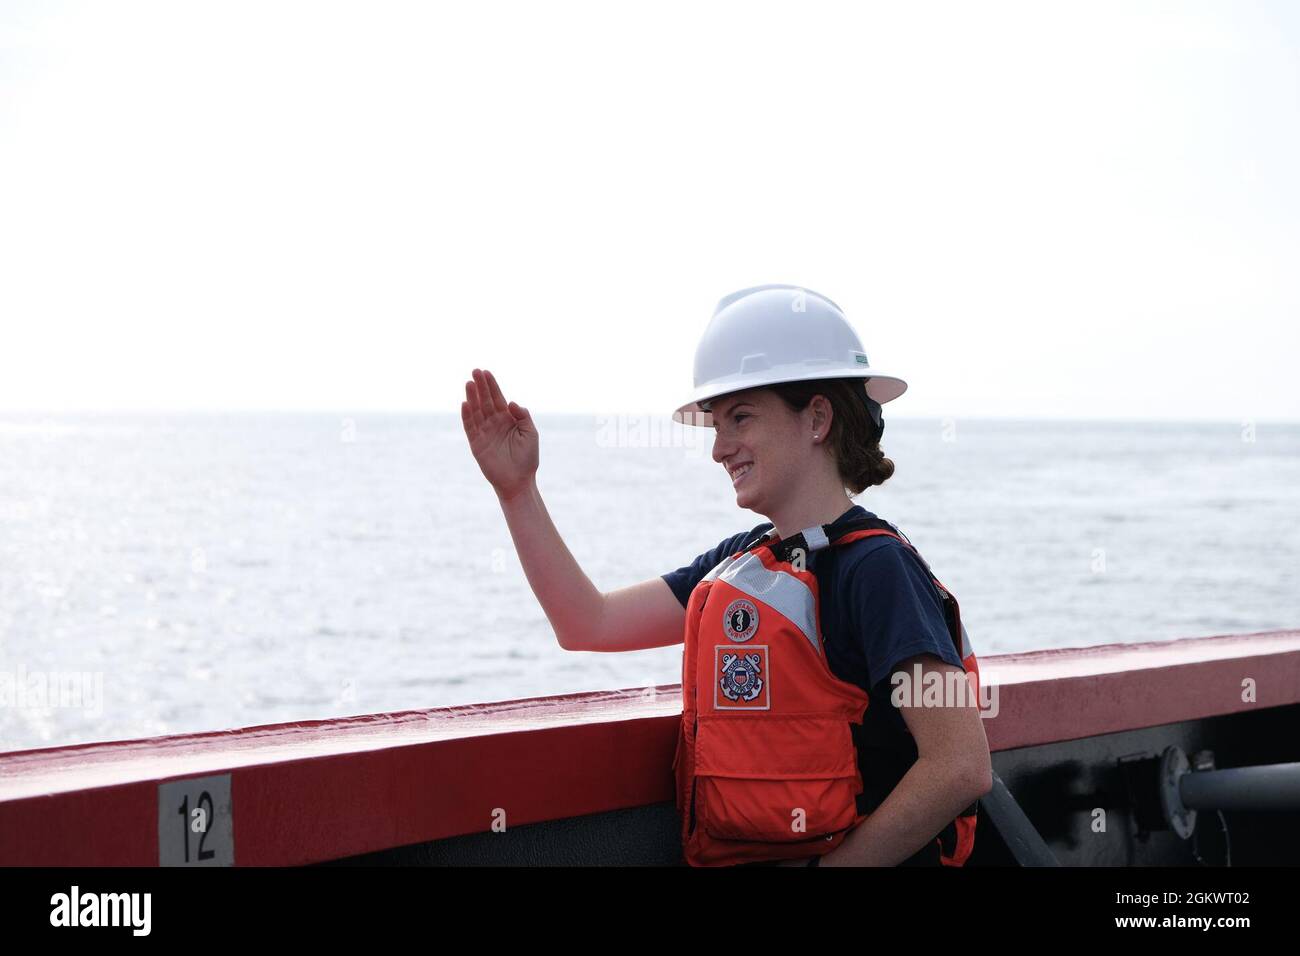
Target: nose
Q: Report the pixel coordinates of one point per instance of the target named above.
(722, 447)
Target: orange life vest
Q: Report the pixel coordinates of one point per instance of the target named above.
(766, 766)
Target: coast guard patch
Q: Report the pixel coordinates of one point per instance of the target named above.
(741, 678)
(740, 620)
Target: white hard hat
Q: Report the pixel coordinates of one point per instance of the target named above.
(779, 333)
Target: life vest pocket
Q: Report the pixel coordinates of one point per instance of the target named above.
(775, 811)
(775, 778)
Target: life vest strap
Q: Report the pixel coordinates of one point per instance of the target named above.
(818, 537)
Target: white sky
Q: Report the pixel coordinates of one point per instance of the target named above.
(1082, 210)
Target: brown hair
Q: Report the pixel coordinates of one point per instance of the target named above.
(854, 438)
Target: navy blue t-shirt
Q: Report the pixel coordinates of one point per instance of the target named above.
(878, 608)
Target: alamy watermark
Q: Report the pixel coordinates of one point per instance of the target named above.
(81, 690)
(75, 908)
(942, 689)
(652, 431)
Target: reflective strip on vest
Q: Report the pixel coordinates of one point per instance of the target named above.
(784, 592)
(720, 567)
(815, 538)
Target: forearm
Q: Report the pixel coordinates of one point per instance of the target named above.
(925, 801)
(572, 604)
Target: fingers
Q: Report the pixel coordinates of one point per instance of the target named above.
(490, 405)
(494, 389)
(473, 406)
(484, 398)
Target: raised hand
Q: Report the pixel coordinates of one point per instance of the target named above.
(502, 436)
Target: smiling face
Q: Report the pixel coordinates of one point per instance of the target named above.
(763, 445)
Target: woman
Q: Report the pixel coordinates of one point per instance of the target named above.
(792, 748)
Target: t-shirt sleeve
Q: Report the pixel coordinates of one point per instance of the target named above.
(896, 612)
(683, 580)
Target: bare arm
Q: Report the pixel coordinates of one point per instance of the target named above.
(640, 616)
(952, 770)
(504, 441)
(584, 619)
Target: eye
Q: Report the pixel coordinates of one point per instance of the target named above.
(738, 416)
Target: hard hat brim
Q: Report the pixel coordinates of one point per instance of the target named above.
(883, 388)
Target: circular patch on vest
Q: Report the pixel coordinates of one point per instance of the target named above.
(740, 622)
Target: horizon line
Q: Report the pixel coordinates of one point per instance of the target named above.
(666, 416)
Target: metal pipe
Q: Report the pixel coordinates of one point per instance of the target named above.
(1271, 787)
(1024, 842)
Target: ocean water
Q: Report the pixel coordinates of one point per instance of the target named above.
(161, 574)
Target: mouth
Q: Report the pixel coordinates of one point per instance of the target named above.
(738, 472)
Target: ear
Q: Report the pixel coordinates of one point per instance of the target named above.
(822, 414)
